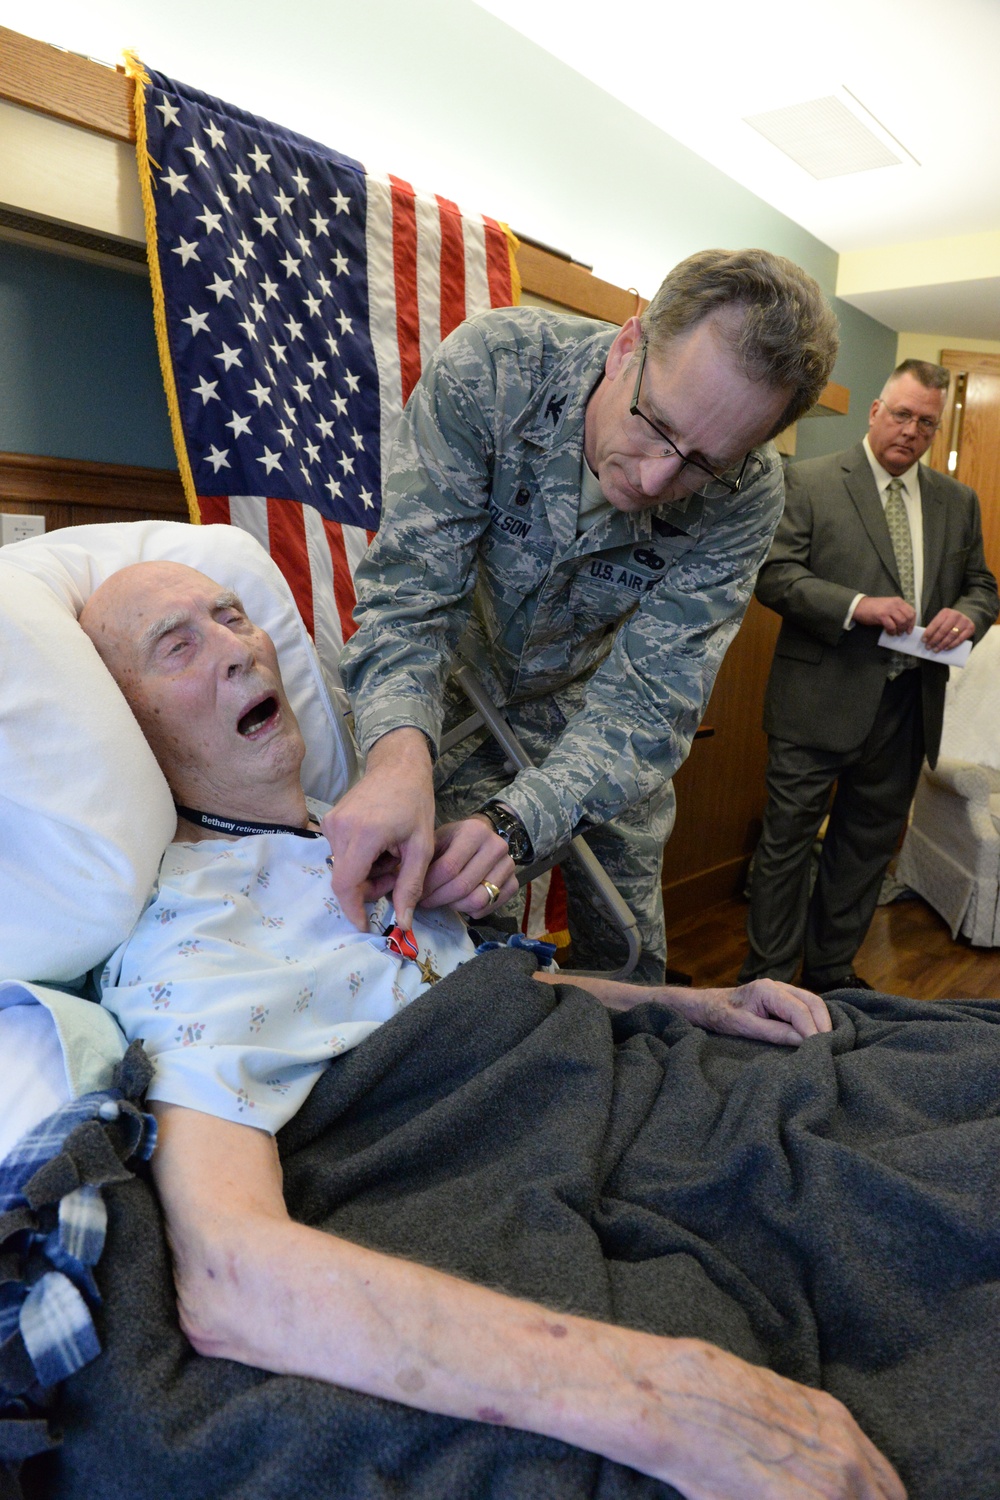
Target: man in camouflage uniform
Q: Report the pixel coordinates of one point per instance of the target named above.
(540, 524)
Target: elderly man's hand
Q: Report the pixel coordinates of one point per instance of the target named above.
(381, 832)
(744, 1432)
(467, 854)
(892, 615)
(766, 1009)
(948, 628)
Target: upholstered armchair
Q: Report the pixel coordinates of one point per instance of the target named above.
(951, 854)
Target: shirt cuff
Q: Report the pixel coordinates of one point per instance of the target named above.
(849, 618)
(398, 712)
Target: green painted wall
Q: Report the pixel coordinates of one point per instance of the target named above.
(78, 370)
(867, 355)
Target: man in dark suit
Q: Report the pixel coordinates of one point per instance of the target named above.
(870, 540)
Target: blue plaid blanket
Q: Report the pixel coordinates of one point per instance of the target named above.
(52, 1227)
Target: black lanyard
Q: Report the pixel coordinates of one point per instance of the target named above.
(239, 829)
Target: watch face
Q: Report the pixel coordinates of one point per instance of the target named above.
(515, 844)
(509, 827)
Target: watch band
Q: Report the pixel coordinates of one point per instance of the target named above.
(513, 832)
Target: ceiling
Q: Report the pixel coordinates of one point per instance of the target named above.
(919, 76)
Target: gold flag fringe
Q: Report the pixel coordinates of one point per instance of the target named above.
(513, 245)
(141, 79)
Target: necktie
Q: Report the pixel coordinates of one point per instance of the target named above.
(902, 545)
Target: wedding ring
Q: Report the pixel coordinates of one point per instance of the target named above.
(954, 630)
(493, 891)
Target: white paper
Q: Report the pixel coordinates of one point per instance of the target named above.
(913, 645)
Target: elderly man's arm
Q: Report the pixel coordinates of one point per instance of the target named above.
(256, 1287)
(765, 1010)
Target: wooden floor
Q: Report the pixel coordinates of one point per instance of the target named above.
(908, 951)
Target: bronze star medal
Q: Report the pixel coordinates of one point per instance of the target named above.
(428, 973)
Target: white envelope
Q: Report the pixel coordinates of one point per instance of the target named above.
(913, 645)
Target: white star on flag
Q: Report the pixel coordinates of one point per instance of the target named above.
(206, 389)
(230, 357)
(168, 111)
(196, 321)
(220, 286)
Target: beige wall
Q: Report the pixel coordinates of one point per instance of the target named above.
(929, 345)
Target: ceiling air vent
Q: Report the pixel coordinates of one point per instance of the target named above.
(824, 137)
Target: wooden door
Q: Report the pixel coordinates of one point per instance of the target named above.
(968, 444)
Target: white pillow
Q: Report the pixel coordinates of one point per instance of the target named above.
(86, 813)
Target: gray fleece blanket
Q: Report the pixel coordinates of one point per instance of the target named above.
(831, 1212)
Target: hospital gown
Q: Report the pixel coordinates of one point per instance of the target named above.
(243, 977)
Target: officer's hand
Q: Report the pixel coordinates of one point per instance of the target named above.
(948, 628)
(892, 615)
(381, 832)
(467, 854)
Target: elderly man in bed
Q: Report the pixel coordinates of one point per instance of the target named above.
(244, 979)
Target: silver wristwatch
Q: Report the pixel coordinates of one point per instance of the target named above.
(513, 832)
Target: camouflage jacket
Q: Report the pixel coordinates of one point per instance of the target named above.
(478, 556)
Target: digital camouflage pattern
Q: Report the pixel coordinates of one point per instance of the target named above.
(621, 629)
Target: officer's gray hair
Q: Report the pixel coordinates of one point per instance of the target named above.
(787, 335)
(934, 377)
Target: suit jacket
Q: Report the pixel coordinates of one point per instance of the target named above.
(832, 543)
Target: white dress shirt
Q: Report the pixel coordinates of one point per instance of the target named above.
(910, 481)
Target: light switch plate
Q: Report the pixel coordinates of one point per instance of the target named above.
(16, 528)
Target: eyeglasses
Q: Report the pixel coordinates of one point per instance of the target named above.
(900, 417)
(701, 478)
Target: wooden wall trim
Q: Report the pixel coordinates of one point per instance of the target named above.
(26, 479)
(574, 287)
(62, 84)
(834, 401)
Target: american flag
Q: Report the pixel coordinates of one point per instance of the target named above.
(297, 297)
